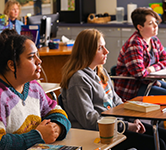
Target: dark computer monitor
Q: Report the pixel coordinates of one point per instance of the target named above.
(38, 20)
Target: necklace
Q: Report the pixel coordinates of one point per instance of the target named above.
(7, 80)
(22, 96)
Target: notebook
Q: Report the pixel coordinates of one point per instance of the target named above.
(159, 73)
(42, 146)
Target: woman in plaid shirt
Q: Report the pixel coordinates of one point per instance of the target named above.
(142, 54)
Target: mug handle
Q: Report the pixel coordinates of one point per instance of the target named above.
(124, 126)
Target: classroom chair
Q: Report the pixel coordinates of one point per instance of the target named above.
(60, 101)
(113, 77)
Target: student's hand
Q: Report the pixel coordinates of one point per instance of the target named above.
(142, 128)
(50, 131)
(137, 126)
(158, 83)
(150, 69)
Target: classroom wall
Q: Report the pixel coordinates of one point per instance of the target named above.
(108, 6)
(2, 6)
(29, 9)
(140, 3)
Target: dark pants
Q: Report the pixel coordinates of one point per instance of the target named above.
(142, 141)
(155, 90)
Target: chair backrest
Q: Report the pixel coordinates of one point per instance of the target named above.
(60, 101)
(113, 71)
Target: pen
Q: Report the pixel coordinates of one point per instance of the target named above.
(163, 110)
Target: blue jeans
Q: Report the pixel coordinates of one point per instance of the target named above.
(155, 90)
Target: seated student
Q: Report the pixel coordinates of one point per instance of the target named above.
(12, 10)
(28, 116)
(142, 54)
(87, 91)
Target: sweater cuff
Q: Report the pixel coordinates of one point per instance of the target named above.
(32, 138)
(39, 133)
(63, 121)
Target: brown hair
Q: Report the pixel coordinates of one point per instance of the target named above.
(138, 16)
(83, 53)
(8, 5)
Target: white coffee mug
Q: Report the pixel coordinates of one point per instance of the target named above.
(116, 123)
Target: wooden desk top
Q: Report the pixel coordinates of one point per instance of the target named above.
(62, 50)
(120, 111)
(85, 138)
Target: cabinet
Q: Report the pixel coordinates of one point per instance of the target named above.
(126, 33)
(115, 37)
(66, 31)
(76, 31)
(112, 37)
(69, 32)
(162, 36)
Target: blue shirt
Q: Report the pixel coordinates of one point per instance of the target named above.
(16, 25)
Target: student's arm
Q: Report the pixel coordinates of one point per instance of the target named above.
(59, 116)
(80, 104)
(19, 141)
(50, 110)
(134, 60)
(160, 55)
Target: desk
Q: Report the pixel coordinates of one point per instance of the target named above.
(50, 88)
(156, 115)
(152, 77)
(85, 138)
(62, 50)
(52, 62)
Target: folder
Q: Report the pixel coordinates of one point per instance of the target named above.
(155, 99)
(32, 31)
(161, 72)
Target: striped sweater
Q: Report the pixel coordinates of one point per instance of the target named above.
(20, 114)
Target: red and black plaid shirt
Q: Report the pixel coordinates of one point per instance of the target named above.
(133, 60)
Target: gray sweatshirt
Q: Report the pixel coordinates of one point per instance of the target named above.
(85, 99)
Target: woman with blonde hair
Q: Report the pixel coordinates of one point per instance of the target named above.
(87, 91)
(13, 10)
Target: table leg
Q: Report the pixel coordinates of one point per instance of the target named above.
(156, 137)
